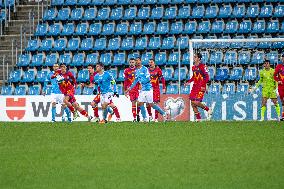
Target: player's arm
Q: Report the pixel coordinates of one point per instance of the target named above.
(205, 74)
(73, 79)
(126, 82)
(276, 75)
(162, 79)
(132, 85)
(54, 75)
(260, 82)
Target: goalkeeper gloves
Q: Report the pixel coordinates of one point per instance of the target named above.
(95, 91)
(116, 94)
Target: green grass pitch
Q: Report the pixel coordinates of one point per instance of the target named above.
(134, 156)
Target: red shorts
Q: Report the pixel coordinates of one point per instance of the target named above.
(133, 94)
(156, 95)
(196, 94)
(281, 92)
(97, 99)
(71, 94)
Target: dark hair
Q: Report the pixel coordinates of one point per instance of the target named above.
(138, 57)
(199, 55)
(131, 59)
(91, 65)
(283, 55)
(100, 64)
(152, 59)
(265, 61)
(63, 64)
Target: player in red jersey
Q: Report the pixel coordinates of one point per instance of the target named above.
(279, 77)
(200, 78)
(67, 84)
(156, 76)
(129, 76)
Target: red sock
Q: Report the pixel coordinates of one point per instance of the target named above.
(206, 108)
(149, 110)
(197, 115)
(134, 111)
(156, 114)
(283, 114)
(84, 113)
(71, 108)
(115, 110)
(96, 111)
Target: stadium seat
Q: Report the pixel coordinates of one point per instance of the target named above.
(173, 58)
(244, 57)
(33, 45)
(164, 2)
(51, 59)
(77, 14)
(223, 45)
(211, 11)
(70, 2)
(137, 2)
(150, 1)
(266, 11)
(258, 26)
(116, 13)
(183, 73)
(208, 44)
(184, 12)
(154, 43)
(205, 56)
(87, 44)
(225, 11)
(103, 13)
(84, 2)
(110, 2)
(124, 2)
(279, 11)
(122, 28)
(222, 74)
(144, 13)
(7, 90)
(273, 26)
(82, 29)
(108, 29)
(252, 11)
(278, 45)
(211, 72)
(78, 90)
(169, 42)
(114, 43)
(149, 27)
(239, 11)
(184, 89)
(157, 12)
(161, 58)
(50, 14)
(21, 90)
(100, 44)
(198, 12)
(78, 59)
(106, 58)
(265, 45)
(177, 1)
(130, 13)
(133, 55)
(97, 2)
(163, 27)
(120, 89)
(135, 28)
(63, 14)
(183, 42)
(41, 29)
(185, 58)
(229, 88)
(47, 90)
(90, 13)
(230, 57)
(24, 60)
(258, 57)
(204, 27)
(168, 73)
(113, 72)
(236, 74)
(251, 45)
(170, 12)
(15, 76)
(190, 27)
(245, 26)
(250, 74)
(237, 45)
(127, 43)
(83, 76)
(60, 44)
(141, 43)
(38, 59)
(88, 91)
(176, 27)
(41, 76)
(120, 75)
(55, 29)
(216, 57)
(92, 59)
(95, 29)
(145, 57)
(218, 26)
(68, 29)
(65, 59)
(73, 44)
(119, 59)
(172, 88)
(242, 89)
(231, 26)
(74, 72)
(34, 90)
(272, 56)
(29, 76)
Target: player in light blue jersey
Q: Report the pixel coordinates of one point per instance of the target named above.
(56, 96)
(142, 76)
(107, 86)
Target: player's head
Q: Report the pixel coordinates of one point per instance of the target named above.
(99, 67)
(132, 62)
(138, 62)
(266, 64)
(55, 67)
(152, 63)
(197, 57)
(63, 67)
(91, 68)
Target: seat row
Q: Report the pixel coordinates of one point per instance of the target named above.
(161, 12)
(6, 3)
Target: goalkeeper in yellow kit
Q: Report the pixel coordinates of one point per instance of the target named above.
(269, 88)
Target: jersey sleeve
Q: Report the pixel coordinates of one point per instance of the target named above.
(276, 78)
(72, 78)
(161, 77)
(126, 82)
(205, 75)
(260, 82)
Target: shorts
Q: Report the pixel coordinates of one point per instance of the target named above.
(156, 95)
(281, 92)
(71, 94)
(106, 98)
(133, 94)
(97, 99)
(196, 95)
(146, 96)
(57, 98)
(269, 93)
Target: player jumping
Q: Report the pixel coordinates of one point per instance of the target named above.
(279, 77)
(142, 76)
(156, 76)
(200, 77)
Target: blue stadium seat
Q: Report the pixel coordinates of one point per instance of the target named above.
(183, 42)
(77, 14)
(170, 12)
(163, 27)
(239, 11)
(223, 45)
(222, 74)
(29, 76)
(214, 89)
(236, 74)
(177, 1)
(198, 12)
(127, 43)
(245, 26)
(216, 57)
(41, 29)
(278, 45)
(230, 57)
(15, 76)
(218, 26)
(63, 14)
(34, 90)
(41, 76)
(266, 11)
(57, 2)
(92, 59)
(237, 45)
(211, 11)
(162, 2)
(55, 29)
(211, 72)
(144, 13)
(97, 2)
(272, 56)
(252, 11)
(47, 90)
(137, 2)
(38, 59)
(169, 42)
(95, 28)
(103, 13)
(73, 44)
(185, 58)
(242, 89)
(154, 43)
(21, 90)
(141, 43)
(172, 88)
(244, 57)
(106, 58)
(87, 44)
(116, 13)
(229, 88)
(265, 45)
(208, 44)
(119, 59)
(84, 2)
(82, 29)
(145, 57)
(173, 58)
(65, 58)
(51, 59)
(258, 57)
(190, 27)
(282, 27)
(204, 27)
(184, 12)
(108, 29)
(133, 55)
(150, 1)
(83, 76)
(100, 44)
(114, 43)
(50, 14)
(176, 27)
(168, 73)
(88, 91)
(205, 57)
(78, 59)
(251, 45)
(60, 44)
(157, 12)
(258, 26)
(113, 72)
(7, 90)
(120, 89)
(279, 11)
(120, 75)
(122, 28)
(24, 60)
(183, 73)
(110, 2)
(68, 29)
(33, 45)
(231, 26)
(70, 2)
(273, 26)
(250, 74)
(225, 11)
(124, 2)
(184, 89)
(130, 13)
(161, 58)
(149, 27)
(90, 13)
(135, 28)
(78, 90)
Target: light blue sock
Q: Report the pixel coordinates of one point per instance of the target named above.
(143, 111)
(105, 111)
(53, 113)
(109, 110)
(156, 107)
(68, 113)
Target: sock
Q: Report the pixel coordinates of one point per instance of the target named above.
(138, 110)
(263, 109)
(156, 107)
(206, 108)
(105, 114)
(71, 108)
(149, 110)
(84, 113)
(115, 110)
(68, 113)
(53, 113)
(143, 111)
(134, 111)
(277, 108)
(156, 114)
(96, 111)
(109, 110)
(198, 116)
